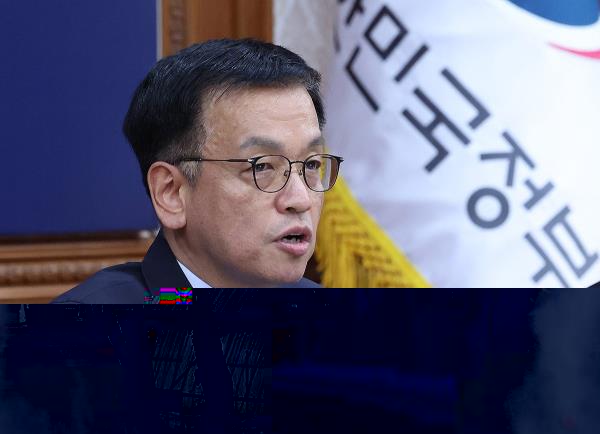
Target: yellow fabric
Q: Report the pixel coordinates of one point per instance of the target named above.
(353, 251)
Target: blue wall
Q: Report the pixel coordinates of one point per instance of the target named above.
(68, 70)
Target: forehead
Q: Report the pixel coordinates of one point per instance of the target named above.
(285, 115)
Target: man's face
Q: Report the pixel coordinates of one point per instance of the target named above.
(235, 234)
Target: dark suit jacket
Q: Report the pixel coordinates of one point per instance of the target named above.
(127, 283)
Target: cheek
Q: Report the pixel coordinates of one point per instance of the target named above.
(209, 210)
(316, 208)
(243, 214)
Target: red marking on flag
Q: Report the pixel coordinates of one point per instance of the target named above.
(590, 54)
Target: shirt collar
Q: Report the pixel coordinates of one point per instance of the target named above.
(194, 280)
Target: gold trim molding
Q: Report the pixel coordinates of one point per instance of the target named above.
(37, 272)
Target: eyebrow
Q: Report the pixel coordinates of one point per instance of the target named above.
(275, 145)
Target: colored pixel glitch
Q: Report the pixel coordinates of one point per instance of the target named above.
(175, 296)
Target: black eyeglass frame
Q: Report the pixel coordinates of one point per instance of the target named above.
(253, 161)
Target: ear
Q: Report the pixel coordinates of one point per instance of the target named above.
(166, 184)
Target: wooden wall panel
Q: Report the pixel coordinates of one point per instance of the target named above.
(189, 21)
(254, 19)
(37, 271)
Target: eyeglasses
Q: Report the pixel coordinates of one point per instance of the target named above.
(271, 172)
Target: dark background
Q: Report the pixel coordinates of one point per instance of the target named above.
(401, 360)
(487, 361)
(137, 369)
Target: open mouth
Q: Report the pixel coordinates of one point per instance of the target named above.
(294, 238)
(295, 241)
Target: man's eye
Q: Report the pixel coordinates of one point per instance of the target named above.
(261, 167)
(313, 165)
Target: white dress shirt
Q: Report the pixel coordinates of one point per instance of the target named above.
(194, 280)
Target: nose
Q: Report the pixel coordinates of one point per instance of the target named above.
(299, 171)
(295, 197)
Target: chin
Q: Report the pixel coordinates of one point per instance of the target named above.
(289, 275)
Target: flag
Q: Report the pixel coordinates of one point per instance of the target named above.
(470, 136)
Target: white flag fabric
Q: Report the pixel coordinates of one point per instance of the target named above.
(470, 131)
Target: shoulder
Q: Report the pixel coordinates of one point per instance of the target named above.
(304, 283)
(119, 284)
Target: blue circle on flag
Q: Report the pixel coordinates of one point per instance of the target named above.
(570, 12)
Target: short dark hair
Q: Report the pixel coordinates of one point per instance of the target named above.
(164, 120)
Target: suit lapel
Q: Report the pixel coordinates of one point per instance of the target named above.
(160, 267)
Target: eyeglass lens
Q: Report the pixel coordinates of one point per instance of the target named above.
(272, 171)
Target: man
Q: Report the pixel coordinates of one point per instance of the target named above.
(228, 135)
